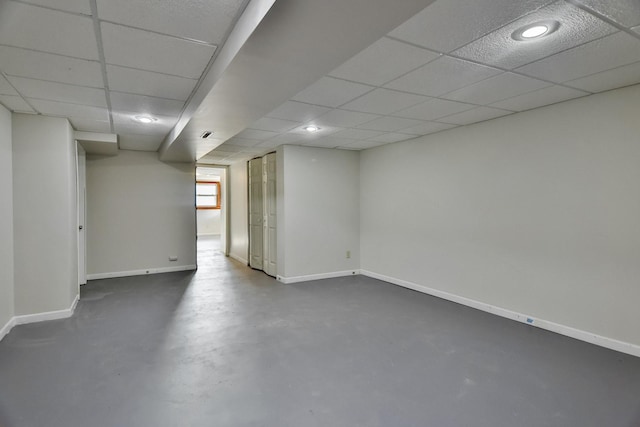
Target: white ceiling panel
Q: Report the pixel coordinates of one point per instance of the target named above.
(134, 48)
(427, 128)
(539, 98)
(140, 82)
(331, 92)
(125, 123)
(285, 138)
(297, 111)
(45, 66)
(624, 12)
(53, 91)
(47, 30)
(343, 118)
(357, 133)
(62, 109)
(207, 21)
(441, 76)
(384, 101)
(390, 124)
(256, 134)
(500, 49)
(145, 104)
(496, 88)
(618, 77)
(329, 142)
(76, 6)
(16, 104)
(433, 109)
(362, 145)
(139, 142)
(88, 125)
(599, 55)
(6, 88)
(475, 115)
(448, 24)
(245, 143)
(274, 125)
(390, 137)
(383, 61)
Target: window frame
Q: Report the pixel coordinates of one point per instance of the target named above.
(217, 183)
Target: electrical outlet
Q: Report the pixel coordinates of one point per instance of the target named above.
(348, 254)
(173, 257)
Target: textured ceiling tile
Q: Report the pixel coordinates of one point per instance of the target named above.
(52, 91)
(62, 109)
(331, 92)
(496, 88)
(441, 76)
(383, 101)
(274, 125)
(357, 133)
(392, 137)
(599, 55)
(256, 134)
(618, 77)
(383, 61)
(46, 66)
(448, 24)
(15, 104)
(145, 104)
(343, 118)
(539, 98)
(390, 124)
(624, 12)
(500, 49)
(77, 6)
(427, 128)
(433, 109)
(139, 142)
(140, 82)
(47, 30)
(6, 88)
(243, 142)
(478, 114)
(134, 48)
(285, 138)
(362, 145)
(297, 111)
(206, 21)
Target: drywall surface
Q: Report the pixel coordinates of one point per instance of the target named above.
(44, 214)
(537, 213)
(6, 219)
(319, 201)
(140, 211)
(209, 222)
(238, 205)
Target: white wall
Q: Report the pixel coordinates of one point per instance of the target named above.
(209, 222)
(538, 213)
(318, 214)
(6, 220)
(238, 204)
(140, 211)
(45, 215)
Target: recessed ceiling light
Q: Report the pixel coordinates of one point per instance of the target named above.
(311, 128)
(535, 31)
(145, 119)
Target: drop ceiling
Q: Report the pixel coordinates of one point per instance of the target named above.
(364, 77)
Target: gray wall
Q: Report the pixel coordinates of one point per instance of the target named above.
(6, 219)
(45, 214)
(139, 212)
(538, 213)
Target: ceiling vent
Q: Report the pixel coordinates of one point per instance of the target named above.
(206, 134)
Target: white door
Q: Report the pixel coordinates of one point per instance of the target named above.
(255, 214)
(269, 228)
(82, 197)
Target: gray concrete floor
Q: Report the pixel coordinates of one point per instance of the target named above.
(229, 346)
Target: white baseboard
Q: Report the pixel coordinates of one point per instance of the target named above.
(610, 343)
(143, 272)
(240, 259)
(7, 328)
(296, 279)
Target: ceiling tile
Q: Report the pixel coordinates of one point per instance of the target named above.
(496, 88)
(434, 108)
(475, 115)
(329, 142)
(441, 76)
(243, 142)
(297, 111)
(256, 134)
(448, 24)
(624, 12)
(47, 30)
(285, 138)
(357, 133)
(539, 98)
(599, 55)
(15, 104)
(134, 48)
(362, 145)
(140, 82)
(139, 142)
(390, 124)
(124, 123)
(383, 101)
(343, 118)
(427, 128)
(46, 66)
(6, 88)
(145, 104)
(392, 137)
(52, 91)
(383, 61)
(274, 125)
(76, 6)
(330, 92)
(63, 109)
(500, 49)
(321, 133)
(618, 77)
(88, 125)
(207, 21)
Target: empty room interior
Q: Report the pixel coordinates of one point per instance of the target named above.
(320, 213)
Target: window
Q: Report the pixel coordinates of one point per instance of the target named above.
(207, 195)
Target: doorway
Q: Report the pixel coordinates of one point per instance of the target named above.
(262, 214)
(211, 213)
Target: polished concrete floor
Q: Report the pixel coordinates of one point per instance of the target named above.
(229, 346)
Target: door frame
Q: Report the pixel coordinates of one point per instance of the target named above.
(225, 202)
